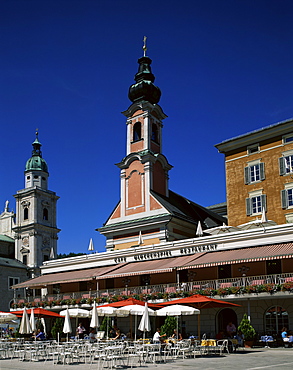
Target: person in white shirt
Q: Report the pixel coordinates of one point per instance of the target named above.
(157, 337)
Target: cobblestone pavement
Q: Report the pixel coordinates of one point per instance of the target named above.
(254, 359)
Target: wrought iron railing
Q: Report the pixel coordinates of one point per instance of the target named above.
(238, 285)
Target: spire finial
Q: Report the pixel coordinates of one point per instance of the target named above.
(144, 48)
(37, 132)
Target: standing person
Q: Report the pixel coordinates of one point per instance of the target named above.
(231, 329)
(80, 331)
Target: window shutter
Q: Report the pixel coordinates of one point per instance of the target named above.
(248, 206)
(284, 199)
(262, 171)
(264, 202)
(246, 175)
(282, 166)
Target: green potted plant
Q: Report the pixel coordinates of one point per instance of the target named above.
(247, 330)
(169, 326)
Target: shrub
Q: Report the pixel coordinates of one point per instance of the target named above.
(246, 328)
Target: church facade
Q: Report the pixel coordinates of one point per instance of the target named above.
(28, 237)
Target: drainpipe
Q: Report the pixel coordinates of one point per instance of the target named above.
(248, 309)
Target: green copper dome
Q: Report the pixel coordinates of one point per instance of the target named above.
(36, 162)
(144, 88)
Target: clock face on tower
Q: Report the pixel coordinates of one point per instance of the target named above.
(25, 241)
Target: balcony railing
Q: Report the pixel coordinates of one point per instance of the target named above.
(222, 287)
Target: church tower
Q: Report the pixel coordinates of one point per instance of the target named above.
(35, 228)
(148, 212)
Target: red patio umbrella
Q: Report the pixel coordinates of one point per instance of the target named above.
(200, 302)
(39, 312)
(129, 301)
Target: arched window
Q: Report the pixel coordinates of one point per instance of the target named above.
(155, 134)
(45, 214)
(137, 131)
(276, 317)
(25, 213)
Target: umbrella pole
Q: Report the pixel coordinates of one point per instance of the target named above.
(107, 328)
(198, 326)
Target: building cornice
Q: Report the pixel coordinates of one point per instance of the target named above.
(277, 129)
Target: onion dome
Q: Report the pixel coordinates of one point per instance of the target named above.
(36, 162)
(144, 88)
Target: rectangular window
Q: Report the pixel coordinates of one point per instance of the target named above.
(12, 281)
(224, 272)
(254, 172)
(255, 204)
(274, 267)
(289, 163)
(287, 197)
(288, 139)
(290, 197)
(253, 149)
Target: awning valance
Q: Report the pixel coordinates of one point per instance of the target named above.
(243, 255)
(151, 267)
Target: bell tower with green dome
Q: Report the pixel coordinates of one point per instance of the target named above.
(35, 228)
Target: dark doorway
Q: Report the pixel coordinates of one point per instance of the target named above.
(224, 317)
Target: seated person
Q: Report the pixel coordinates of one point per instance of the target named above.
(117, 332)
(284, 333)
(92, 336)
(40, 335)
(231, 329)
(175, 336)
(157, 337)
(220, 335)
(240, 339)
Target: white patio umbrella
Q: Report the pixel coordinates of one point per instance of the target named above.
(256, 224)
(199, 231)
(95, 318)
(32, 320)
(91, 245)
(7, 317)
(140, 239)
(145, 324)
(107, 311)
(75, 312)
(67, 324)
(136, 310)
(222, 229)
(43, 322)
(25, 326)
(263, 216)
(177, 310)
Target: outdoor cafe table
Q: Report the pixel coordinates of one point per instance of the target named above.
(208, 342)
(208, 346)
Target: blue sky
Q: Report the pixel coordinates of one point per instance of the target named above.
(224, 69)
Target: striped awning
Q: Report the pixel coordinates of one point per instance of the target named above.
(67, 277)
(151, 267)
(243, 255)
